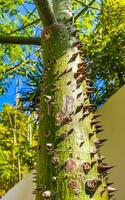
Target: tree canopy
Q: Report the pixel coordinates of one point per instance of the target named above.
(101, 27)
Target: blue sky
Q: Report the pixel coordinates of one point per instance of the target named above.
(9, 96)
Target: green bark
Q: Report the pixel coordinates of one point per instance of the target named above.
(20, 40)
(69, 163)
(62, 10)
(45, 11)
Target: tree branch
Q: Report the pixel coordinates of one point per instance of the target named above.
(16, 66)
(83, 10)
(84, 4)
(21, 63)
(25, 26)
(20, 40)
(45, 11)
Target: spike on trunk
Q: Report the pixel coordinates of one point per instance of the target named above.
(69, 162)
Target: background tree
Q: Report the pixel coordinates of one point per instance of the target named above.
(17, 142)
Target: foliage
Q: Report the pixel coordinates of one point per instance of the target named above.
(101, 28)
(17, 153)
(102, 38)
(17, 59)
(104, 50)
(30, 97)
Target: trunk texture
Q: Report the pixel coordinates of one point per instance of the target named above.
(69, 163)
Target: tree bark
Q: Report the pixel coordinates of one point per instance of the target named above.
(45, 11)
(20, 40)
(69, 162)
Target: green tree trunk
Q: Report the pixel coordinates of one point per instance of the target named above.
(69, 163)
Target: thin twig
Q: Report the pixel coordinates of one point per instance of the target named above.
(25, 26)
(83, 10)
(29, 13)
(87, 5)
(17, 65)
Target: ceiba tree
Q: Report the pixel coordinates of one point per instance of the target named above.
(69, 164)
